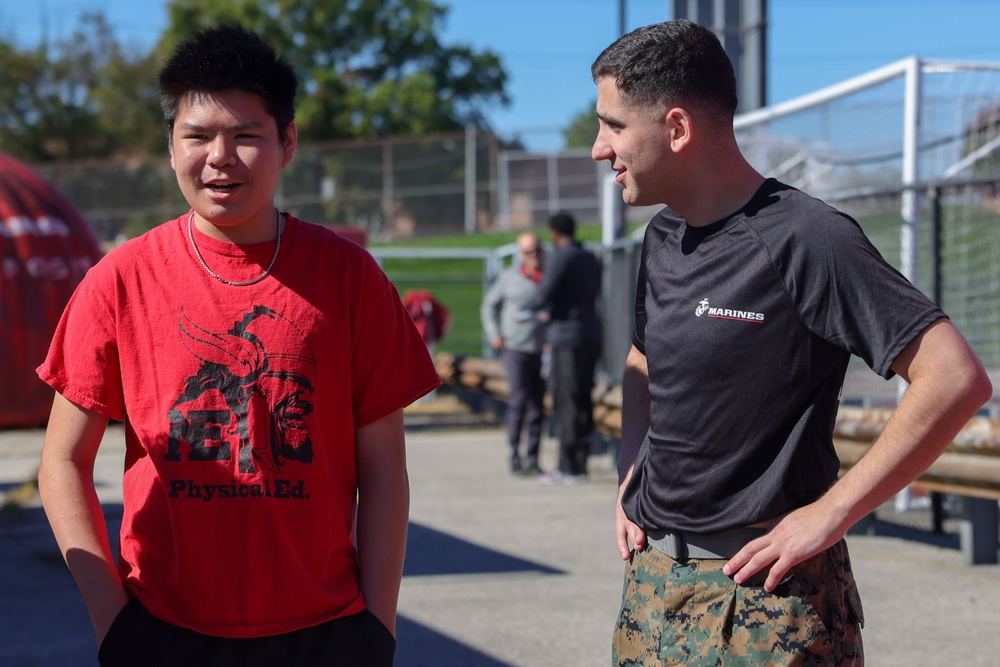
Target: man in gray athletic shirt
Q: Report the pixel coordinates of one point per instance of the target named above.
(519, 336)
(752, 297)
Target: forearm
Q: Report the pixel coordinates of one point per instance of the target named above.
(66, 485)
(74, 513)
(635, 411)
(946, 389)
(635, 425)
(947, 386)
(383, 514)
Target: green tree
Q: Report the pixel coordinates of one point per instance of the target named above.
(369, 68)
(582, 128)
(83, 96)
(19, 112)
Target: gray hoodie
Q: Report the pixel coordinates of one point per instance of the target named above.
(503, 313)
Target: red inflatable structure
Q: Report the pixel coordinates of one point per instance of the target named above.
(45, 249)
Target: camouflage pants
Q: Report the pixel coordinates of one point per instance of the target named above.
(689, 613)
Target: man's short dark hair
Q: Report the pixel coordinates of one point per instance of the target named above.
(564, 224)
(676, 62)
(229, 57)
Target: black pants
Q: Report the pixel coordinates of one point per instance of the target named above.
(524, 402)
(138, 638)
(572, 400)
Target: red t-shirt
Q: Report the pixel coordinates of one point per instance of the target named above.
(240, 406)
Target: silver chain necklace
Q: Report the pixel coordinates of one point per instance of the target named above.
(197, 253)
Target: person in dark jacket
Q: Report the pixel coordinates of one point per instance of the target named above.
(568, 295)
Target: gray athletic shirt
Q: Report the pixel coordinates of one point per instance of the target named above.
(748, 325)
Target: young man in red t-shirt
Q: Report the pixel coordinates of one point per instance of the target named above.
(265, 488)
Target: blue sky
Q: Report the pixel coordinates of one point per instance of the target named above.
(547, 45)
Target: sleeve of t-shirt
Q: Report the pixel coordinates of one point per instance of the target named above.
(83, 362)
(849, 295)
(391, 366)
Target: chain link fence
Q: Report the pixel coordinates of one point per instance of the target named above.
(398, 188)
(392, 188)
(910, 150)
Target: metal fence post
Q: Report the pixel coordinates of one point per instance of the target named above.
(979, 531)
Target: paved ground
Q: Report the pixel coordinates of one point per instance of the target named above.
(500, 571)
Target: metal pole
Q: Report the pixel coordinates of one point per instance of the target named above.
(388, 186)
(470, 179)
(937, 498)
(503, 189)
(910, 209)
(936, 287)
(909, 246)
(621, 220)
(909, 233)
(611, 209)
(552, 175)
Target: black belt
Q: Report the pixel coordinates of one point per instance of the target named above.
(721, 545)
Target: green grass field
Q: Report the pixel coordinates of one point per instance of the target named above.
(970, 268)
(457, 283)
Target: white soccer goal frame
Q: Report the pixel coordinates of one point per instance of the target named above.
(911, 69)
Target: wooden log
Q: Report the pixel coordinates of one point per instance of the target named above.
(970, 466)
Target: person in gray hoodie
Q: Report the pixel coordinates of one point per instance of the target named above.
(519, 336)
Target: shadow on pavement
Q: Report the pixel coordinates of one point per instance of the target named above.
(420, 646)
(887, 529)
(432, 552)
(43, 620)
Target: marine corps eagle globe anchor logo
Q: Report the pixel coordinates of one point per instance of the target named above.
(702, 308)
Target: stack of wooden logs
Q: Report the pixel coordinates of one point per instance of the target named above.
(969, 467)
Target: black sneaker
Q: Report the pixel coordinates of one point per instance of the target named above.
(531, 469)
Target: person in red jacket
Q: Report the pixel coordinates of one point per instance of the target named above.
(431, 317)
